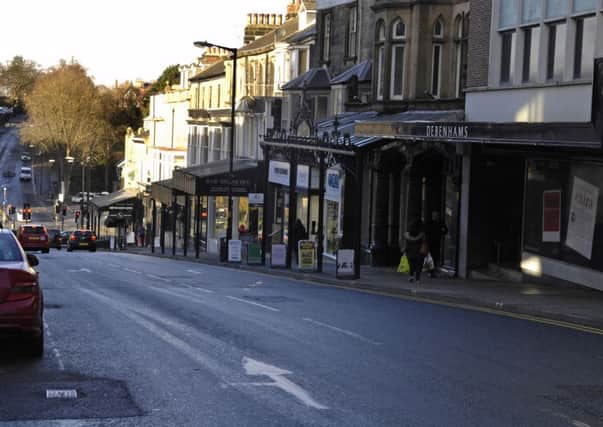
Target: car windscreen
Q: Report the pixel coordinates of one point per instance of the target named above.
(9, 249)
(83, 234)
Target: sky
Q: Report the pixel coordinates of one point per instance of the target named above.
(123, 39)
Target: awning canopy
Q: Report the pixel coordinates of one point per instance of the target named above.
(121, 196)
(212, 179)
(345, 125)
(162, 191)
(449, 126)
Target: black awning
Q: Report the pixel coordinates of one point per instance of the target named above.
(105, 202)
(213, 179)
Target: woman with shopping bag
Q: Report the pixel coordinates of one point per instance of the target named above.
(416, 249)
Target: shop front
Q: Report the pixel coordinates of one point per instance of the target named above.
(207, 189)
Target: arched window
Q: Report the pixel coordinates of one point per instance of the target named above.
(461, 35)
(398, 29)
(380, 48)
(398, 49)
(436, 63)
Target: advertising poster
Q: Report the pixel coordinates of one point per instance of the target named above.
(278, 172)
(234, 251)
(306, 250)
(551, 216)
(333, 185)
(345, 264)
(255, 199)
(279, 255)
(582, 217)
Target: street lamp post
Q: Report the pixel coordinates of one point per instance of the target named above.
(234, 52)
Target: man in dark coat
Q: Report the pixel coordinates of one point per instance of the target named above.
(416, 249)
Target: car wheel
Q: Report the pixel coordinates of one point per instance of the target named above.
(69, 249)
(92, 250)
(36, 345)
(45, 251)
(58, 248)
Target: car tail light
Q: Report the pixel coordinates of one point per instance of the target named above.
(72, 238)
(24, 286)
(93, 238)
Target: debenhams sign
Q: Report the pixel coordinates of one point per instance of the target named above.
(447, 131)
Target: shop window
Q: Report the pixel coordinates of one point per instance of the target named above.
(507, 62)
(531, 53)
(584, 48)
(556, 51)
(563, 210)
(302, 61)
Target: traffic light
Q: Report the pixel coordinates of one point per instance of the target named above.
(26, 211)
(11, 210)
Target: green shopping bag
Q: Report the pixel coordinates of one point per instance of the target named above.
(404, 266)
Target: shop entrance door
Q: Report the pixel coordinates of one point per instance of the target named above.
(503, 203)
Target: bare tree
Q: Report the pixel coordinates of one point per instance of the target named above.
(65, 116)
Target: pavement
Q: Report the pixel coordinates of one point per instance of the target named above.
(564, 305)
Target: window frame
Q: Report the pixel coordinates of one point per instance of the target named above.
(326, 37)
(351, 47)
(380, 39)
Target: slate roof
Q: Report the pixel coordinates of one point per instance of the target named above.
(213, 70)
(268, 41)
(361, 71)
(313, 79)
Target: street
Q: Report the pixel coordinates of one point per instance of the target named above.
(158, 342)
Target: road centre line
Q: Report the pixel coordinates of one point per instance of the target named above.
(55, 350)
(266, 307)
(343, 331)
(132, 271)
(207, 291)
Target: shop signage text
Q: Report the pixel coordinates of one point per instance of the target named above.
(278, 172)
(306, 250)
(447, 131)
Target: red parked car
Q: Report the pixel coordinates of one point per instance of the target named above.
(33, 238)
(21, 299)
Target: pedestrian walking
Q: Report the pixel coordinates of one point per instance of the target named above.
(416, 249)
(435, 230)
(140, 235)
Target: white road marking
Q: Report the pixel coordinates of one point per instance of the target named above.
(276, 374)
(343, 331)
(85, 270)
(194, 271)
(55, 350)
(207, 291)
(61, 394)
(252, 303)
(152, 276)
(132, 271)
(113, 265)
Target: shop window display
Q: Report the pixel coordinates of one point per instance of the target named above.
(563, 215)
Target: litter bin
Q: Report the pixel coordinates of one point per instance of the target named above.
(223, 250)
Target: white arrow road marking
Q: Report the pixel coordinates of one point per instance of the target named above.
(343, 331)
(253, 303)
(276, 374)
(85, 270)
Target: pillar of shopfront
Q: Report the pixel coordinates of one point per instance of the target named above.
(174, 213)
(187, 225)
(197, 224)
(153, 225)
(162, 229)
(292, 208)
(267, 207)
(321, 210)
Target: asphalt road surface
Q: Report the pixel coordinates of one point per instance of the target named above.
(156, 342)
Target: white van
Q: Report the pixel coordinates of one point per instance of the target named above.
(25, 174)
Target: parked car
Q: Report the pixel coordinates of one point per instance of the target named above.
(33, 238)
(25, 157)
(25, 173)
(82, 239)
(54, 238)
(21, 298)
